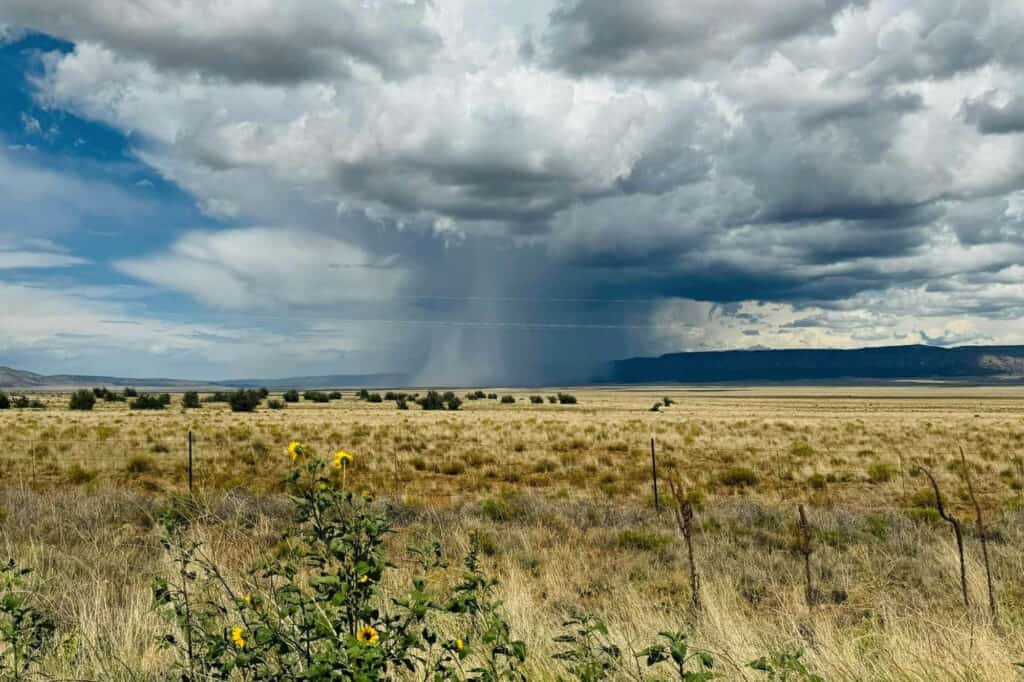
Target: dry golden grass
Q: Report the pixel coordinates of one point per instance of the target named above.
(561, 498)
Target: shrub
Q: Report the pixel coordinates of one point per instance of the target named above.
(82, 400)
(191, 400)
(291, 396)
(334, 395)
(147, 402)
(643, 540)
(363, 394)
(77, 474)
(264, 392)
(316, 397)
(100, 393)
(432, 401)
(566, 399)
(453, 403)
(667, 402)
(5, 402)
(553, 399)
(738, 477)
(112, 397)
(275, 404)
(245, 401)
(165, 399)
(219, 397)
(880, 472)
(23, 402)
(537, 399)
(140, 464)
(655, 407)
(402, 404)
(492, 396)
(374, 398)
(131, 393)
(507, 399)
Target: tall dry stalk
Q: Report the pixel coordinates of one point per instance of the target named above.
(981, 535)
(957, 530)
(684, 518)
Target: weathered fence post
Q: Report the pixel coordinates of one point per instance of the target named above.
(190, 491)
(654, 478)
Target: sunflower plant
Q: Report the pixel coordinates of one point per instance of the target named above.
(314, 612)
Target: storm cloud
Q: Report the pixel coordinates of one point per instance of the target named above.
(844, 164)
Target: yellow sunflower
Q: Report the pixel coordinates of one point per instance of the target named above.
(296, 450)
(341, 456)
(459, 645)
(238, 637)
(367, 635)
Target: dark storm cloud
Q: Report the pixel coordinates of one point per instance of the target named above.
(666, 38)
(995, 119)
(282, 42)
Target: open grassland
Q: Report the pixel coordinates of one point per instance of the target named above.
(560, 499)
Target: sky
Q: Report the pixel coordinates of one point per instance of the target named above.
(485, 190)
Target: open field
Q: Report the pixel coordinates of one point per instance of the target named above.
(560, 498)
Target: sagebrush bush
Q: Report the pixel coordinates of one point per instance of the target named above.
(566, 399)
(275, 404)
(291, 396)
(738, 477)
(245, 400)
(507, 399)
(191, 400)
(147, 401)
(5, 402)
(82, 400)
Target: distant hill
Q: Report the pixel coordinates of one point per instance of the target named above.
(18, 379)
(13, 378)
(885, 363)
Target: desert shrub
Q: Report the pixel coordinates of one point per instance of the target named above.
(738, 477)
(431, 401)
(164, 398)
(492, 396)
(334, 395)
(880, 472)
(76, 474)
(476, 395)
(453, 402)
(100, 393)
(219, 397)
(507, 399)
(655, 407)
(374, 398)
(667, 402)
(537, 399)
(264, 392)
(817, 481)
(191, 400)
(402, 404)
(291, 396)
(24, 402)
(26, 631)
(130, 392)
(553, 399)
(245, 401)
(316, 397)
(801, 448)
(147, 402)
(363, 394)
(275, 404)
(82, 400)
(140, 464)
(5, 402)
(566, 399)
(112, 397)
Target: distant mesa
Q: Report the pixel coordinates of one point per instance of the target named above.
(888, 363)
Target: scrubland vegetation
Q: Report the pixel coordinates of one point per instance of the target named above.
(550, 498)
